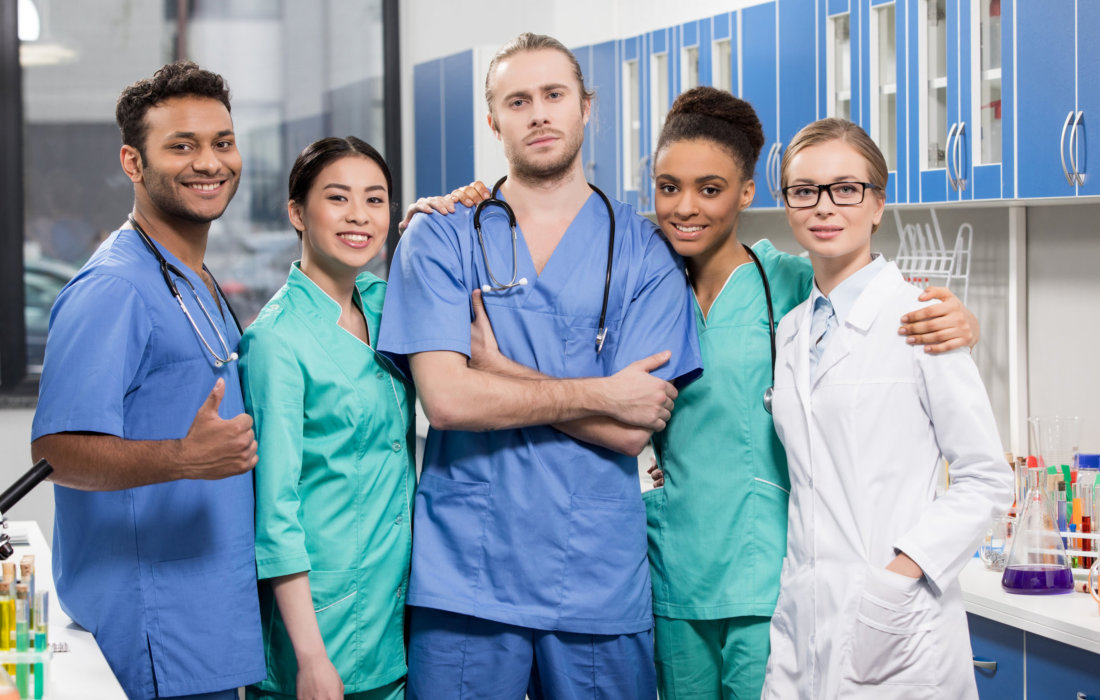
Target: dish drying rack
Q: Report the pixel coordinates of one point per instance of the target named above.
(924, 259)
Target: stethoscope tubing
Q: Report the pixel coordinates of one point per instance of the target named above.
(771, 323)
(167, 269)
(497, 286)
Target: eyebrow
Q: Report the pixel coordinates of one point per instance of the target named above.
(699, 180)
(541, 88)
(842, 178)
(347, 188)
(193, 135)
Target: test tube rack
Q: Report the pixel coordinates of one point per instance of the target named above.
(924, 259)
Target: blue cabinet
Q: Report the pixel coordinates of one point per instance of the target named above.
(600, 66)
(777, 52)
(1056, 671)
(444, 123)
(998, 659)
(1059, 96)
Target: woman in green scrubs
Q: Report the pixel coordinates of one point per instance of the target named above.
(718, 525)
(334, 423)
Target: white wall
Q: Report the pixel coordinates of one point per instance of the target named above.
(15, 459)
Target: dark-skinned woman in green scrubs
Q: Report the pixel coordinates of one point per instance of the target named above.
(334, 423)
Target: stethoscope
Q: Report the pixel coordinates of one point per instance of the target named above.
(771, 324)
(497, 286)
(167, 269)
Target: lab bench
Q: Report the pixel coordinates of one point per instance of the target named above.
(1028, 647)
(81, 672)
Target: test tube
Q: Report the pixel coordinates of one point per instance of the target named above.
(26, 575)
(7, 620)
(9, 571)
(22, 635)
(41, 622)
(1086, 522)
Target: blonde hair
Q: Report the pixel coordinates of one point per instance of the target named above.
(533, 42)
(833, 129)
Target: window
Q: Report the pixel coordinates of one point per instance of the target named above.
(933, 81)
(296, 72)
(988, 82)
(658, 93)
(689, 68)
(884, 83)
(632, 118)
(839, 67)
(723, 65)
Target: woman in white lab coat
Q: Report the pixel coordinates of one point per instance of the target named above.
(869, 603)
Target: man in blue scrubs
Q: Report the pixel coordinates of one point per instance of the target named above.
(140, 413)
(529, 568)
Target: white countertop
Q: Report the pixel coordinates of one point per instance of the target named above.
(1071, 618)
(81, 672)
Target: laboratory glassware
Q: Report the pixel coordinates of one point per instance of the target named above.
(1037, 561)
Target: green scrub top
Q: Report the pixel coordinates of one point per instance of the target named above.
(334, 482)
(718, 528)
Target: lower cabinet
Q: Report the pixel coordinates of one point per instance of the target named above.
(1054, 671)
(999, 659)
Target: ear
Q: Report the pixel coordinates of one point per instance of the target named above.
(587, 109)
(131, 163)
(294, 213)
(747, 194)
(880, 208)
(492, 125)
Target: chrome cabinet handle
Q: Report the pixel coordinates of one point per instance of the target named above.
(1078, 175)
(769, 171)
(986, 664)
(1071, 181)
(959, 179)
(948, 157)
(776, 166)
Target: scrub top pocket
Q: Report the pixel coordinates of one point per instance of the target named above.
(614, 528)
(334, 604)
(449, 521)
(893, 637)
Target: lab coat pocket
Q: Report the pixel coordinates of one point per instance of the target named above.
(893, 639)
(334, 604)
(449, 522)
(607, 539)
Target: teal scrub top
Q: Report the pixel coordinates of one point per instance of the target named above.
(718, 528)
(334, 482)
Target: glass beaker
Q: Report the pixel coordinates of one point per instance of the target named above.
(1037, 561)
(994, 550)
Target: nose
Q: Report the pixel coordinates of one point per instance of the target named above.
(358, 212)
(686, 205)
(206, 160)
(539, 114)
(825, 205)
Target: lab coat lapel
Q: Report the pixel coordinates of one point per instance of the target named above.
(798, 360)
(859, 320)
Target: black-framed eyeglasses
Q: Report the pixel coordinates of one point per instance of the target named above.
(843, 194)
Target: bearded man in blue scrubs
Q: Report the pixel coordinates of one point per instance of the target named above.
(529, 569)
(141, 415)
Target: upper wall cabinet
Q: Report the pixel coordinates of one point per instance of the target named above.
(1059, 59)
(780, 70)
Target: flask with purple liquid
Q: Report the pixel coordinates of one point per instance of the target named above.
(1037, 562)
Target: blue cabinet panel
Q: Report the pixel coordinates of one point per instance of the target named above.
(1045, 65)
(603, 75)
(797, 72)
(836, 7)
(458, 125)
(992, 641)
(706, 47)
(758, 51)
(721, 26)
(428, 128)
(1088, 94)
(1056, 670)
(689, 34)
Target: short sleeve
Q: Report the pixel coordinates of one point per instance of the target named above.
(427, 299)
(274, 390)
(99, 333)
(660, 316)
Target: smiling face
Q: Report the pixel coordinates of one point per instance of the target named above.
(538, 113)
(344, 218)
(838, 238)
(191, 166)
(700, 195)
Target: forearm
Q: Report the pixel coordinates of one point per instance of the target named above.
(295, 601)
(595, 430)
(470, 399)
(96, 462)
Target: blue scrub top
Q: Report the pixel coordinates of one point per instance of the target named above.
(528, 526)
(163, 575)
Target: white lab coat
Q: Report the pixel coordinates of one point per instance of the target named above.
(862, 445)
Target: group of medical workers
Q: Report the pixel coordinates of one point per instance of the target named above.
(796, 512)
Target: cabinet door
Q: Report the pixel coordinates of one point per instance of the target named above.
(428, 127)
(602, 137)
(758, 53)
(993, 642)
(797, 68)
(1056, 670)
(1045, 78)
(1088, 96)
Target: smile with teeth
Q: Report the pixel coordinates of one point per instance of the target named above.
(688, 229)
(355, 237)
(205, 186)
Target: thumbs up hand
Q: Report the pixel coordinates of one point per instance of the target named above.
(216, 448)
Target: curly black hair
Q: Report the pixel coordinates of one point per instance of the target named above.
(717, 116)
(179, 79)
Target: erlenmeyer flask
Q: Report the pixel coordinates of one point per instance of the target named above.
(1037, 560)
